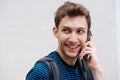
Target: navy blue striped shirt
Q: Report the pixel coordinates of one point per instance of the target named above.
(40, 71)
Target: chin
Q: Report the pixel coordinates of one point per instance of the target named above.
(72, 55)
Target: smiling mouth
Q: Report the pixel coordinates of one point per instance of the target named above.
(72, 46)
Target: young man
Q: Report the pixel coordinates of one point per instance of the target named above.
(72, 27)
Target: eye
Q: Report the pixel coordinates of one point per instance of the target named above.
(80, 31)
(66, 30)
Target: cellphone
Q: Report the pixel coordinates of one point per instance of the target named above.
(87, 58)
(89, 34)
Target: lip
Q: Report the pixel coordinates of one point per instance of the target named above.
(72, 47)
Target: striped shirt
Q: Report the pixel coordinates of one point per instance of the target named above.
(40, 71)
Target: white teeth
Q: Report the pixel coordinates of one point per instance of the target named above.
(72, 46)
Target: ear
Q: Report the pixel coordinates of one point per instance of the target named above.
(55, 31)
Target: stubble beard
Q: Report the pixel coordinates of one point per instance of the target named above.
(65, 53)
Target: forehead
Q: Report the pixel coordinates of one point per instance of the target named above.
(74, 22)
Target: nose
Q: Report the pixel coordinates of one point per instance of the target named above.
(73, 38)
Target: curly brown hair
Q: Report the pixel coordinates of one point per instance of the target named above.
(72, 9)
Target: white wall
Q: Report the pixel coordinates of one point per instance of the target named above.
(26, 34)
(118, 32)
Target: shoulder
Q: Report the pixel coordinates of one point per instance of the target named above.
(38, 72)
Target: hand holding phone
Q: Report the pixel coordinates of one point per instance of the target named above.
(89, 54)
(87, 57)
(87, 46)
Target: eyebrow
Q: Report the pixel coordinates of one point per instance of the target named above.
(77, 28)
(65, 27)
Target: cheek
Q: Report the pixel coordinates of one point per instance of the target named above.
(62, 37)
(82, 39)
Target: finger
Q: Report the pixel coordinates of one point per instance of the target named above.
(86, 48)
(87, 57)
(84, 52)
(91, 38)
(88, 44)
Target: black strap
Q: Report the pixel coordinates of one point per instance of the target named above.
(85, 70)
(81, 70)
(52, 67)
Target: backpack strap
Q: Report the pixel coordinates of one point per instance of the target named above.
(52, 67)
(85, 70)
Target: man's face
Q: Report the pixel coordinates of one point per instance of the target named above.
(71, 34)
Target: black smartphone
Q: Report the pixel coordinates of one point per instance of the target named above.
(89, 34)
(87, 57)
